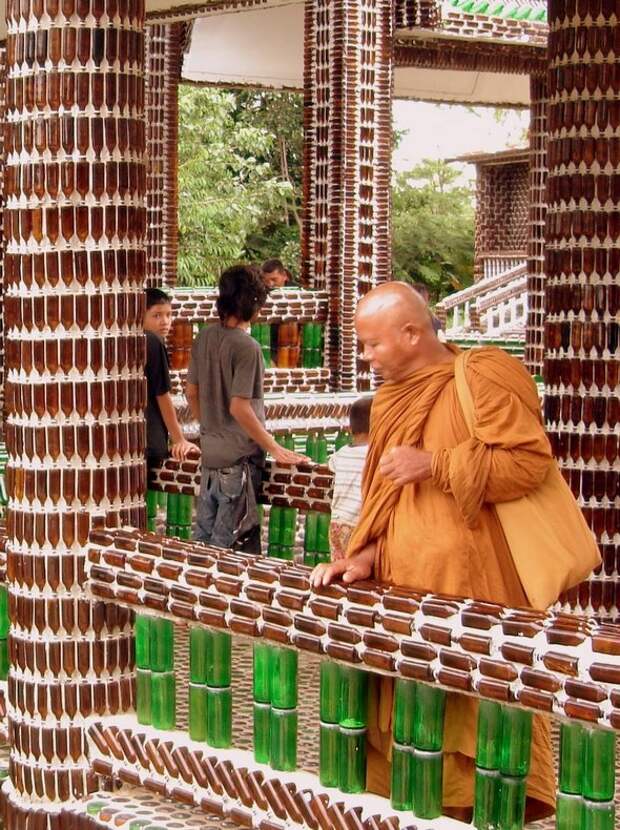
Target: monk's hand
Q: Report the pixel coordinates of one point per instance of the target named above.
(403, 465)
(351, 570)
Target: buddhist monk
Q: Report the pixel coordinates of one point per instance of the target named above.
(427, 521)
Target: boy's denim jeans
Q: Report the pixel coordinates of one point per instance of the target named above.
(220, 504)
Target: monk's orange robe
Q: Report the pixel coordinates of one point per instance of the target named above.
(442, 535)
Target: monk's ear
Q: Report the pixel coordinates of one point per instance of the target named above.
(411, 333)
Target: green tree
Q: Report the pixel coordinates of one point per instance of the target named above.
(433, 228)
(228, 188)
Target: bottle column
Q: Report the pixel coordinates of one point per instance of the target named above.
(582, 266)
(74, 271)
(346, 235)
(534, 349)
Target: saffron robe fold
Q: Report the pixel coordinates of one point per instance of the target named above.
(442, 535)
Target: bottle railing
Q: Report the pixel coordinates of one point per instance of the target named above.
(517, 662)
(471, 308)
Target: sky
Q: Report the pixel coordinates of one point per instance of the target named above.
(443, 131)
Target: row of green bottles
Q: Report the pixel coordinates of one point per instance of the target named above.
(503, 753)
(4, 632)
(275, 706)
(509, 11)
(281, 532)
(316, 538)
(155, 678)
(343, 714)
(587, 778)
(417, 756)
(312, 345)
(210, 692)
(179, 513)
(261, 332)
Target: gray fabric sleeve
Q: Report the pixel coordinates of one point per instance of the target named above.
(246, 370)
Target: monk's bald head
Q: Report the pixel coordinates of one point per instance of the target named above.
(395, 304)
(395, 328)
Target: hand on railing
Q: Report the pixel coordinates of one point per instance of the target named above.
(352, 569)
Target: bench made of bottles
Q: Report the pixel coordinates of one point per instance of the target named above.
(515, 661)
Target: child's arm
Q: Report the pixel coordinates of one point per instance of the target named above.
(244, 415)
(181, 448)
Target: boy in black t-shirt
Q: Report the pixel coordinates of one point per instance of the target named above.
(161, 418)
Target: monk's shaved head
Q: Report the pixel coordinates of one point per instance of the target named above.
(395, 328)
(396, 303)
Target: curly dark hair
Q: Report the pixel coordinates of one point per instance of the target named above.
(242, 293)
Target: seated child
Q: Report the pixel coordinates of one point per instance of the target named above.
(348, 465)
(161, 418)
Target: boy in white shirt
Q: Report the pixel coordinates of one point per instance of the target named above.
(348, 466)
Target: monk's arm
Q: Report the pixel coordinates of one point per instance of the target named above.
(508, 456)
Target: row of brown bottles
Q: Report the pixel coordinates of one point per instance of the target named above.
(53, 269)
(48, 530)
(114, 354)
(118, 181)
(582, 151)
(59, 136)
(581, 296)
(583, 338)
(76, 46)
(55, 489)
(575, 187)
(113, 10)
(50, 743)
(105, 401)
(121, 310)
(573, 225)
(601, 412)
(75, 225)
(599, 485)
(587, 374)
(72, 659)
(121, 93)
(52, 783)
(601, 447)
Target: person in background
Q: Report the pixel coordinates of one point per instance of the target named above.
(275, 275)
(347, 465)
(424, 293)
(161, 418)
(225, 393)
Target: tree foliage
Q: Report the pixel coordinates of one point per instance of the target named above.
(433, 228)
(240, 171)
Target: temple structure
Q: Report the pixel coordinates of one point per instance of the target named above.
(88, 101)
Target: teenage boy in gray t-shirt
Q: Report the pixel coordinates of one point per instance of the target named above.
(225, 393)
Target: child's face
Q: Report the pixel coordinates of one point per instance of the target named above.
(158, 319)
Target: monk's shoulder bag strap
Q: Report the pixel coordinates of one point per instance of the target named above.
(558, 550)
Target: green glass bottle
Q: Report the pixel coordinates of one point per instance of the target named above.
(163, 699)
(172, 510)
(151, 504)
(489, 736)
(262, 739)
(288, 526)
(185, 506)
(162, 645)
(342, 439)
(322, 534)
(404, 707)
(143, 696)
(600, 764)
(198, 640)
(516, 741)
(321, 448)
(283, 678)
(330, 692)
(283, 739)
(311, 446)
(197, 712)
(275, 519)
(353, 698)
(310, 534)
(401, 791)
(219, 659)
(486, 798)
(142, 633)
(219, 717)
(352, 760)
(511, 813)
(427, 783)
(599, 815)
(571, 757)
(329, 771)
(569, 812)
(261, 677)
(428, 719)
